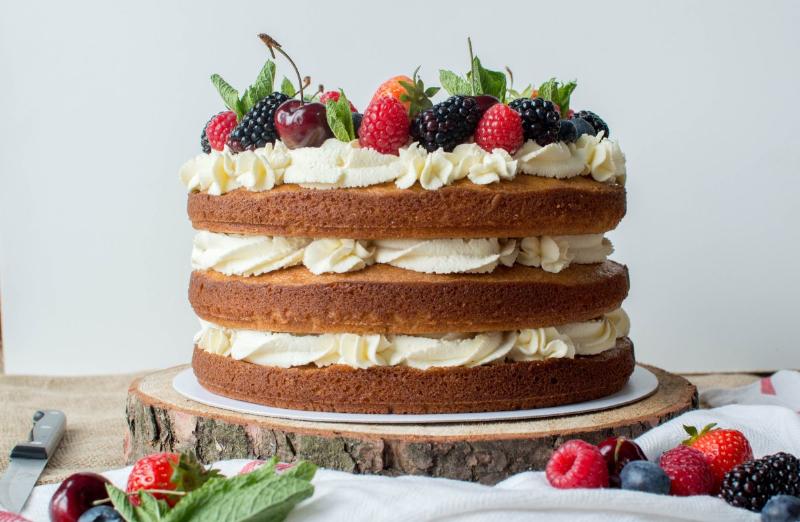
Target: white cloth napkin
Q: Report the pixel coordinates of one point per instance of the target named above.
(527, 496)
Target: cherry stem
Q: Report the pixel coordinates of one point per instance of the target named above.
(472, 66)
(101, 501)
(273, 46)
(510, 76)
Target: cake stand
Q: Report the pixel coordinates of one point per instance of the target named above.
(160, 419)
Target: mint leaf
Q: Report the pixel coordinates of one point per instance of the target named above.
(549, 90)
(303, 470)
(121, 502)
(258, 496)
(229, 95)
(151, 509)
(261, 88)
(453, 83)
(188, 474)
(564, 93)
(287, 88)
(491, 82)
(340, 119)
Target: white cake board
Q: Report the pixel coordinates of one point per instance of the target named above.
(642, 383)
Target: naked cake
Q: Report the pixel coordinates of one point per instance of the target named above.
(425, 256)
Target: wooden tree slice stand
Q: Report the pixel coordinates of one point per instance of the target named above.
(159, 419)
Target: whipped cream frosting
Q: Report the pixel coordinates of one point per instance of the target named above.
(233, 254)
(363, 351)
(337, 164)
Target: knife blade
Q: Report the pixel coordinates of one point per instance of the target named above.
(29, 458)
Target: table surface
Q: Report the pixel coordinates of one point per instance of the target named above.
(96, 425)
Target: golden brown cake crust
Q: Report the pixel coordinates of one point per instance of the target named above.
(400, 389)
(386, 299)
(525, 206)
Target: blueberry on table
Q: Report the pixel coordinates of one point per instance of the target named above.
(641, 475)
(101, 514)
(781, 508)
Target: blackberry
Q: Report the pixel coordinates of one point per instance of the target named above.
(752, 484)
(595, 121)
(540, 119)
(446, 124)
(204, 144)
(257, 127)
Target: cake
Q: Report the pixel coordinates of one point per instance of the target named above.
(426, 256)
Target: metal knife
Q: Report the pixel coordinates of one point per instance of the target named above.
(28, 459)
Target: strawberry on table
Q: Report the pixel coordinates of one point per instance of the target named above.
(163, 472)
(724, 449)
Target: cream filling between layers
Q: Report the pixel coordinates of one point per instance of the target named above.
(363, 351)
(337, 164)
(233, 254)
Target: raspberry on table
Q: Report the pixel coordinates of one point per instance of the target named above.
(577, 464)
(688, 471)
(500, 128)
(384, 126)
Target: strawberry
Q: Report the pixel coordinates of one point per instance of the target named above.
(723, 449)
(392, 88)
(334, 95)
(384, 126)
(688, 471)
(500, 128)
(167, 472)
(577, 464)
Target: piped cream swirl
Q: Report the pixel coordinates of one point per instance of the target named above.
(363, 351)
(233, 254)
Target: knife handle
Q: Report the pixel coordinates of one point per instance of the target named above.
(48, 429)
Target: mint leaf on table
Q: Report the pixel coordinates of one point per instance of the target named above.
(188, 474)
(287, 88)
(121, 502)
(454, 84)
(261, 88)
(151, 507)
(261, 495)
(340, 119)
(230, 96)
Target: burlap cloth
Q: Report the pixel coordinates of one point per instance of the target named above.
(95, 408)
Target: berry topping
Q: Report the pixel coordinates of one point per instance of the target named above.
(446, 124)
(752, 484)
(619, 451)
(485, 101)
(567, 132)
(595, 121)
(334, 95)
(392, 88)
(540, 119)
(203, 138)
(499, 128)
(302, 124)
(384, 126)
(583, 127)
(577, 464)
(688, 470)
(411, 92)
(257, 127)
(76, 495)
(218, 129)
(101, 514)
(781, 508)
(724, 449)
(641, 475)
(357, 118)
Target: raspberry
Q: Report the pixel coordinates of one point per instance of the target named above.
(577, 464)
(688, 471)
(384, 126)
(334, 95)
(218, 128)
(500, 128)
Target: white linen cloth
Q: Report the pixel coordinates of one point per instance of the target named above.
(527, 496)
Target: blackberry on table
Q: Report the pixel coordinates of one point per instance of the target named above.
(752, 484)
(595, 121)
(446, 124)
(540, 119)
(257, 127)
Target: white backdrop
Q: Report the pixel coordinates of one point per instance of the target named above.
(101, 102)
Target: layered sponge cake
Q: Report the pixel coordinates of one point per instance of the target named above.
(420, 258)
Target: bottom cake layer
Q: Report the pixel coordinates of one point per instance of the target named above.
(401, 389)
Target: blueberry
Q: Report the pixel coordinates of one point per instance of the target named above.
(357, 117)
(641, 475)
(583, 127)
(781, 508)
(101, 514)
(567, 131)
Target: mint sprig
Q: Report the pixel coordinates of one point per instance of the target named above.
(287, 87)
(260, 89)
(340, 118)
(261, 495)
(479, 80)
(558, 93)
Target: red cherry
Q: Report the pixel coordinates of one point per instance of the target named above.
(485, 101)
(302, 124)
(77, 495)
(618, 451)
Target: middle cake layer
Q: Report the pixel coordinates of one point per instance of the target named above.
(386, 299)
